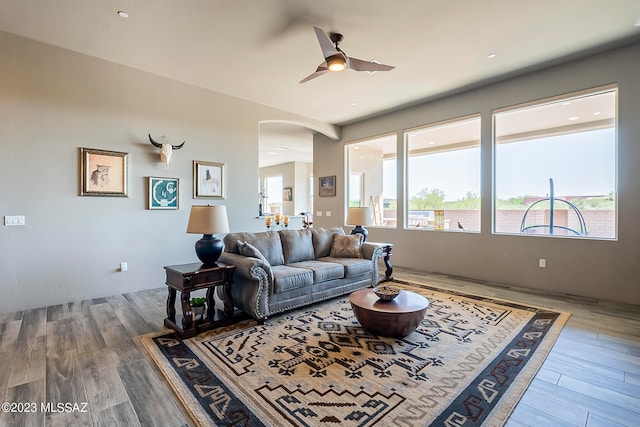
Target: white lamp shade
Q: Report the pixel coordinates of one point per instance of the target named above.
(208, 220)
(359, 216)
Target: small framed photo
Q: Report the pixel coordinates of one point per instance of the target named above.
(103, 173)
(164, 193)
(208, 180)
(327, 186)
(287, 194)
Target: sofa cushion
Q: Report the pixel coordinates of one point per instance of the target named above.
(346, 246)
(352, 266)
(322, 271)
(267, 242)
(286, 278)
(322, 239)
(296, 245)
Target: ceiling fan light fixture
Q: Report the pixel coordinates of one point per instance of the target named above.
(336, 62)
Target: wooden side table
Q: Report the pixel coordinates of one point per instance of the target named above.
(387, 248)
(188, 278)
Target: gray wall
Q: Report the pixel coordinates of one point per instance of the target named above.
(608, 270)
(53, 101)
(295, 175)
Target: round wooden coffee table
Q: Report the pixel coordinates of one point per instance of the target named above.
(396, 318)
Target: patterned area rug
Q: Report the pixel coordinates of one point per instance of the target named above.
(467, 364)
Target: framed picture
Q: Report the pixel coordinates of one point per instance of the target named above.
(327, 186)
(164, 193)
(103, 173)
(208, 180)
(287, 194)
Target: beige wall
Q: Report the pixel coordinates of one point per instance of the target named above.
(603, 269)
(53, 101)
(301, 188)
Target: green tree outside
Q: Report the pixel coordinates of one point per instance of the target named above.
(433, 198)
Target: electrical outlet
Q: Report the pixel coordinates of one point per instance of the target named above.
(542, 263)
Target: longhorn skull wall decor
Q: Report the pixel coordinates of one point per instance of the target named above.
(166, 150)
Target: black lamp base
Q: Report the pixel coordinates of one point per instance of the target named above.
(208, 249)
(361, 230)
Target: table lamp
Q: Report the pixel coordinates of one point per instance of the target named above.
(359, 217)
(208, 220)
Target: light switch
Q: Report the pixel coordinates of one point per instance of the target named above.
(319, 213)
(327, 213)
(14, 220)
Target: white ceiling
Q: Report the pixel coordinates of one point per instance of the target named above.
(282, 143)
(259, 50)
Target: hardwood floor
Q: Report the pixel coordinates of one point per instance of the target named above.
(87, 355)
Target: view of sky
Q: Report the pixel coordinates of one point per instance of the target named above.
(580, 164)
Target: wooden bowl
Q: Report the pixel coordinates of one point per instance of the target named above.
(386, 293)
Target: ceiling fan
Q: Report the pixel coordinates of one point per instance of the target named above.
(336, 60)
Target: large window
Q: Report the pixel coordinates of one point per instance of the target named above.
(372, 166)
(555, 167)
(443, 176)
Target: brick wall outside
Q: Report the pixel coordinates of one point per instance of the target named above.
(599, 222)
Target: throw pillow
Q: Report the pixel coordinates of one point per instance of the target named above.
(267, 242)
(323, 239)
(346, 246)
(247, 249)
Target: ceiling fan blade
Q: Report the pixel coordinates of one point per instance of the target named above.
(360, 65)
(327, 47)
(322, 69)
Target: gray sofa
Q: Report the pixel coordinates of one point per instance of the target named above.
(278, 271)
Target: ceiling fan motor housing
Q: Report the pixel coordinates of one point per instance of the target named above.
(336, 38)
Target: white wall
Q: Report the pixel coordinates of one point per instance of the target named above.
(609, 270)
(53, 101)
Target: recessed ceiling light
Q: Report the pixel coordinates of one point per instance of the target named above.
(597, 113)
(123, 14)
(491, 55)
(432, 142)
(574, 117)
(566, 103)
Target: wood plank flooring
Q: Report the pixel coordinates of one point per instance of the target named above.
(88, 353)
